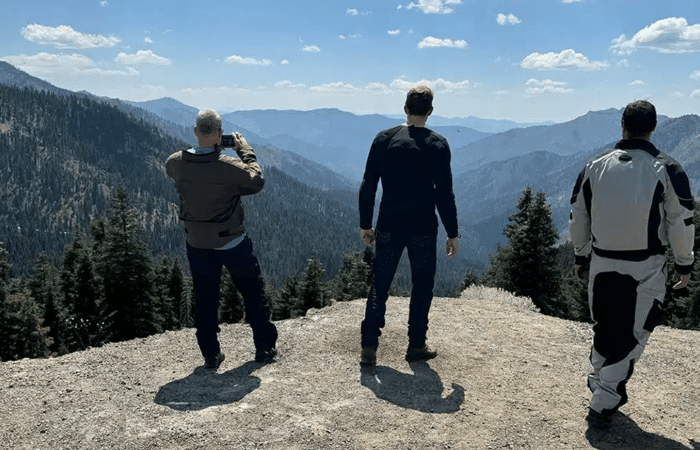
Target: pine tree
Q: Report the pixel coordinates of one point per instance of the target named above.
(126, 273)
(313, 292)
(289, 304)
(527, 266)
(231, 309)
(351, 283)
(168, 284)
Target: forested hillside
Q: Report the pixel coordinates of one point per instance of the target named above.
(61, 156)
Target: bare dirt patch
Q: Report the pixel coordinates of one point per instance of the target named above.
(505, 377)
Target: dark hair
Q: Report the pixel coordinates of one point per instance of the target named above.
(639, 118)
(419, 100)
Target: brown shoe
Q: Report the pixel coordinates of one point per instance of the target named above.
(213, 362)
(420, 353)
(368, 357)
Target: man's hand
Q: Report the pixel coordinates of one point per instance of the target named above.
(367, 236)
(684, 280)
(238, 140)
(452, 247)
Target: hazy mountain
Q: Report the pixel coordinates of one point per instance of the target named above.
(336, 139)
(308, 170)
(490, 126)
(12, 76)
(580, 135)
(487, 195)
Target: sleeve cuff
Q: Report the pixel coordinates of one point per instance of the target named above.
(683, 270)
(582, 260)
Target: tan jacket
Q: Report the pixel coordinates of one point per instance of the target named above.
(210, 188)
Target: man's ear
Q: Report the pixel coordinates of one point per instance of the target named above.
(429, 112)
(405, 109)
(195, 131)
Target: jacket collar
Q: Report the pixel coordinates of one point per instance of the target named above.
(201, 157)
(637, 144)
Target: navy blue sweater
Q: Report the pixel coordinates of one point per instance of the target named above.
(413, 164)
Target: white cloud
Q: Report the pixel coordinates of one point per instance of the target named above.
(351, 36)
(567, 59)
(502, 19)
(355, 12)
(394, 32)
(104, 3)
(63, 36)
(284, 61)
(333, 88)
(288, 84)
(342, 37)
(671, 35)
(142, 57)
(536, 87)
(695, 94)
(624, 63)
(147, 39)
(435, 6)
(237, 59)
(311, 49)
(432, 42)
(438, 84)
(399, 7)
(63, 65)
(636, 83)
(571, 1)
(696, 75)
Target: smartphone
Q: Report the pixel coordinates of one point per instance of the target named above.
(227, 141)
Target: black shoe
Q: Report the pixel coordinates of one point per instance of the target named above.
(598, 420)
(265, 356)
(213, 362)
(419, 353)
(368, 357)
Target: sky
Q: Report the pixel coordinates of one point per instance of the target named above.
(523, 60)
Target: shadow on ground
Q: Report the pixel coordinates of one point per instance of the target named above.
(421, 390)
(624, 433)
(204, 388)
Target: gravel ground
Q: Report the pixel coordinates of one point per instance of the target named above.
(506, 377)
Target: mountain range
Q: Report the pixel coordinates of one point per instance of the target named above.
(326, 149)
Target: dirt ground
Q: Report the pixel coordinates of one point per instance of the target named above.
(505, 377)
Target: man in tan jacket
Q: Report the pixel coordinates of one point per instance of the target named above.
(210, 186)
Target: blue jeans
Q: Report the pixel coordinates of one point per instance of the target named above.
(422, 257)
(242, 264)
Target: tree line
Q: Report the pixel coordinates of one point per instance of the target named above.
(107, 289)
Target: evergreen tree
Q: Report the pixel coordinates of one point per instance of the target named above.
(289, 304)
(528, 265)
(470, 279)
(187, 304)
(351, 283)
(168, 287)
(6, 330)
(45, 287)
(126, 274)
(313, 292)
(231, 309)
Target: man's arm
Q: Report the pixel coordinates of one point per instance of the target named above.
(580, 221)
(444, 193)
(368, 188)
(253, 181)
(678, 206)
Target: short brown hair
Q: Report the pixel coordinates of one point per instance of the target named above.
(419, 100)
(639, 118)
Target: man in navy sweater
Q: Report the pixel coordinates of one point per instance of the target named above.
(413, 164)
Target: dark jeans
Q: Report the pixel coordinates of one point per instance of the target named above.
(422, 257)
(242, 264)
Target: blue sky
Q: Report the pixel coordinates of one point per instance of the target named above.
(523, 60)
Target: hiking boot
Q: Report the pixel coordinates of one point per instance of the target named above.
(420, 353)
(213, 362)
(598, 420)
(265, 356)
(368, 357)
